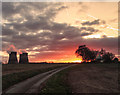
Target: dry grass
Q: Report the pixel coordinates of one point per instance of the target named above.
(94, 78)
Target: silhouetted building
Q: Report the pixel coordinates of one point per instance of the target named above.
(99, 58)
(13, 58)
(23, 58)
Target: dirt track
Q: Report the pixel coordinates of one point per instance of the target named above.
(94, 78)
(32, 85)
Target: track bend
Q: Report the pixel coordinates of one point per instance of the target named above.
(32, 85)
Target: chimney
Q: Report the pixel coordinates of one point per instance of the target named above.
(23, 58)
(13, 58)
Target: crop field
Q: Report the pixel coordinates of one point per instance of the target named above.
(14, 68)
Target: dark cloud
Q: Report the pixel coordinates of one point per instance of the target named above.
(11, 8)
(7, 32)
(63, 7)
(91, 29)
(85, 34)
(8, 9)
(95, 22)
(104, 42)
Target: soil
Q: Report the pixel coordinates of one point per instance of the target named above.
(94, 78)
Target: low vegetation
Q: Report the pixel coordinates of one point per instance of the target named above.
(57, 84)
(14, 68)
(24, 73)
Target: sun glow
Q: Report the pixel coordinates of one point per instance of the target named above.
(78, 61)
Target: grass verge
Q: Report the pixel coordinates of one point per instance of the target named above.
(11, 79)
(57, 84)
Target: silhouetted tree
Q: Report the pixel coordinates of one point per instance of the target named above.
(86, 53)
(115, 60)
(90, 55)
(93, 55)
(108, 57)
(102, 52)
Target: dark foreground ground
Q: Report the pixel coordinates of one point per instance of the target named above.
(85, 78)
(82, 78)
(16, 68)
(94, 78)
(15, 73)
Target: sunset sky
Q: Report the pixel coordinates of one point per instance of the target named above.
(52, 31)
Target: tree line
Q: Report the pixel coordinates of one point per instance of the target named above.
(95, 55)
